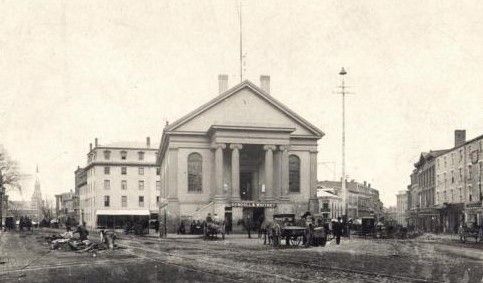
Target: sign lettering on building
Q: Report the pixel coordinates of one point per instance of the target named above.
(252, 204)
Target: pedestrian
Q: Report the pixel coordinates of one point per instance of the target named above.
(337, 230)
(248, 226)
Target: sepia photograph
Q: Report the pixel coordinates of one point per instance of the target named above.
(241, 141)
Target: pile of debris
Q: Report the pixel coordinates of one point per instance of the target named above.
(69, 241)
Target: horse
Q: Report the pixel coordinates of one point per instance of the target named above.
(271, 231)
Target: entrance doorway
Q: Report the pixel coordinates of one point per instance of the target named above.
(256, 216)
(246, 190)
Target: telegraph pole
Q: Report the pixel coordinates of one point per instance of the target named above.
(342, 91)
(241, 40)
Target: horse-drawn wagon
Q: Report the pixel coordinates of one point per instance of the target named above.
(212, 229)
(295, 233)
(466, 232)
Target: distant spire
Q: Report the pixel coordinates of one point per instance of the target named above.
(37, 170)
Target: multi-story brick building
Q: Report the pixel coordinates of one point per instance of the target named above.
(122, 185)
(422, 213)
(362, 199)
(458, 182)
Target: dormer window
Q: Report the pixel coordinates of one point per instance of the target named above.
(141, 155)
(107, 155)
(123, 155)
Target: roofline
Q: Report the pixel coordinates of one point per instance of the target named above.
(122, 148)
(316, 131)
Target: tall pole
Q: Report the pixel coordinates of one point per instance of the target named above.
(342, 73)
(241, 40)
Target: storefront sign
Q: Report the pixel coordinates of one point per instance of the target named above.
(252, 204)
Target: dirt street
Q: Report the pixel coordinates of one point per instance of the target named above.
(25, 257)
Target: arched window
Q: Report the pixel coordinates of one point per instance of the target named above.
(195, 172)
(294, 174)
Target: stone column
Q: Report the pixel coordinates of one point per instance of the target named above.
(235, 171)
(285, 172)
(313, 201)
(269, 171)
(219, 169)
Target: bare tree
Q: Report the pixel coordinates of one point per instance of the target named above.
(9, 178)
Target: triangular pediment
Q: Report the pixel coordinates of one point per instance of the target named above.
(247, 105)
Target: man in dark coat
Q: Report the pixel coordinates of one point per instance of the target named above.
(337, 230)
(248, 226)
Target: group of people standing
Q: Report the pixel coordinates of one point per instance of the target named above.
(25, 222)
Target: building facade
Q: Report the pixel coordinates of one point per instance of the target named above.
(241, 155)
(458, 182)
(122, 185)
(330, 204)
(362, 199)
(401, 207)
(422, 212)
(80, 183)
(64, 206)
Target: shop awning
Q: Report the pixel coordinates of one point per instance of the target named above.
(124, 212)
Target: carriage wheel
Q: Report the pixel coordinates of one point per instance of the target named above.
(295, 240)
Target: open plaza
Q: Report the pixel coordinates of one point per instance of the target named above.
(27, 257)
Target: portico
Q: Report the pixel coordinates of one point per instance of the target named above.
(243, 154)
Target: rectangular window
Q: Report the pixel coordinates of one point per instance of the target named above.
(107, 170)
(107, 155)
(123, 155)
(157, 200)
(141, 185)
(158, 185)
(124, 201)
(106, 201)
(107, 185)
(123, 170)
(141, 155)
(158, 171)
(123, 185)
(141, 201)
(141, 170)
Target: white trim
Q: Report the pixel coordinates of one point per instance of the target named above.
(123, 212)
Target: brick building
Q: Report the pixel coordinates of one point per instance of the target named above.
(458, 182)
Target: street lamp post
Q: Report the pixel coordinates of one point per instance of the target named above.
(342, 91)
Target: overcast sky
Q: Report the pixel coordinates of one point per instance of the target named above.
(71, 71)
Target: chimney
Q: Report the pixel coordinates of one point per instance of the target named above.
(95, 142)
(265, 83)
(369, 185)
(365, 184)
(222, 83)
(148, 142)
(90, 147)
(459, 137)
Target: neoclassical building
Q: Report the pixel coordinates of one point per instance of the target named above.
(242, 154)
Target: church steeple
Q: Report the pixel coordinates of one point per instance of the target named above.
(36, 201)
